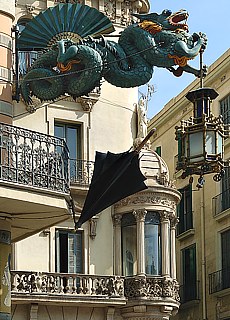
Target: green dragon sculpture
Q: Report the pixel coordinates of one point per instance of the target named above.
(77, 67)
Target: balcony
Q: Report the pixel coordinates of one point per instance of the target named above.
(33, 159)
(81, 172)
(34, 180)
(219, 280)
(107, 290)
(35, 286)
(221, 202)
(189, 292)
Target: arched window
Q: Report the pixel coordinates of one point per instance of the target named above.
(129, 244)
(152, 243)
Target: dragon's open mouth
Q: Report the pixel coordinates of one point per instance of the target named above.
(176, 19)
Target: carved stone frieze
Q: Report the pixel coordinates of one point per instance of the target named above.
(148, 198)
(160, 287)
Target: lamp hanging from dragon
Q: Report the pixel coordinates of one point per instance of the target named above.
(76, 55)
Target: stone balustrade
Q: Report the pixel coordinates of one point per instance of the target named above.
(72, 284)
(151, 287)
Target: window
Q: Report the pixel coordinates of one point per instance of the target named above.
(129, 244)
(225, 109)
(225, 186)
(184, 210)
(189, 287)
(69, 251)
(158, 150)
(72, 135)
(152, 244)
(225, 252)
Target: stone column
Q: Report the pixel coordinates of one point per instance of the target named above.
(117, 244)
(165, 223)
(140, 218)
(174, 223)
(7, 12)
(5, 278)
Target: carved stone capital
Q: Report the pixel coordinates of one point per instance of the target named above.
(174, 222)
(117, 220)
(164, 216)
(140, 215)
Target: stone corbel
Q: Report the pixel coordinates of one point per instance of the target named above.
(93, 228)
(86, 103)
(29, 8)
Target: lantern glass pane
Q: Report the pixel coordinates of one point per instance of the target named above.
(210, 142)
(196, 148)
(220, 144)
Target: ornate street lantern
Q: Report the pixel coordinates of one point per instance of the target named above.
(201, 138)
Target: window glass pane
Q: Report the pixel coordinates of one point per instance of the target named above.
(189, 274)
(152, 249)
(225, 109)
(211, 142)
(152, 244)
(196, 146)
(71, 140)
(184, 210)
(129, 245)
(59, 131)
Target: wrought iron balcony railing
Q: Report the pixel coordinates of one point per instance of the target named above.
(221, 202)
(189, 292)
(61, 283)
(33, 159)
(219, 280)
(81, 171)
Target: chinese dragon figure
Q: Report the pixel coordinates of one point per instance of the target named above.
(76, 55)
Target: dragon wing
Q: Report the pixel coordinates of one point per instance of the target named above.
(64, 21)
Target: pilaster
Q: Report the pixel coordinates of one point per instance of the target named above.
(117, 243)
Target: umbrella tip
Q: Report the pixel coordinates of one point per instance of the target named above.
(78, 225)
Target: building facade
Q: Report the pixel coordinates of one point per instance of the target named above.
(204, 225)
(121, 263)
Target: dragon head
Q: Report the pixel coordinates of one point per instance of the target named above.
(166, 20)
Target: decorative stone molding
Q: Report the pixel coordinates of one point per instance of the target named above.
(140, 214)
(151, 288)
(151, 198)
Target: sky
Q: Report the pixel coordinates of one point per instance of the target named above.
(208, 16)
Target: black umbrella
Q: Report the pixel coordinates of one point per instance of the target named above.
(115, 177)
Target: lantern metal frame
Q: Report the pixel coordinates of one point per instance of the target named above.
(208, 133)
